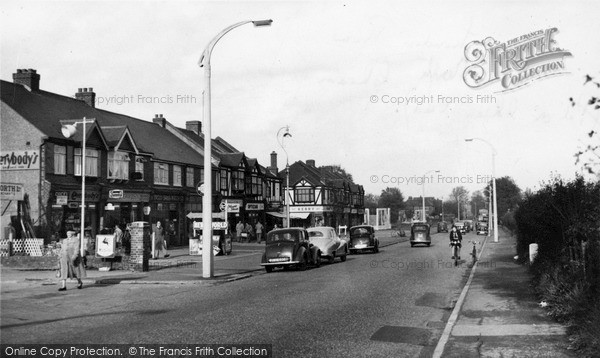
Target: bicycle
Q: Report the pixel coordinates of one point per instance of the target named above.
(455, 253)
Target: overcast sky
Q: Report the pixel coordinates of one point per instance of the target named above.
(318, 69)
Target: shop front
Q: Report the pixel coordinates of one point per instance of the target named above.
(65, 211)
(169, 210)
(255, 212)
(124, 206)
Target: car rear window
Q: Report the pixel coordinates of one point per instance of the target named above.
(283, 236)
(360, 231)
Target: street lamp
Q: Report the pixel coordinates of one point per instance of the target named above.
(68, 131)
(287, 171)
(207, 258)
(424, 175)
(494, 153)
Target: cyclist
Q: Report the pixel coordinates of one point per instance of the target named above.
(455, 241)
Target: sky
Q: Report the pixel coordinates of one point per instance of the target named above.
(375, 87)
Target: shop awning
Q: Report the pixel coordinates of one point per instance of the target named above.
(292, 215)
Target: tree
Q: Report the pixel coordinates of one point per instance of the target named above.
(371, 202)
(508, 193)
(337, 170)
(459, 194)
(392, 198)
(589, 157)
(478, 201)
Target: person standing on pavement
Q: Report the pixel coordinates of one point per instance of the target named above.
(259, 232)
(71, 262)
(118, 235)
(239, 228)
(249, 231)
(158, 236)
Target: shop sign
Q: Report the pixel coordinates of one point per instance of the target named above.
(105, 246)
(115, 194)
(19, 160)
(354, 211)
(233, 206)
(310, 209)
(90, 195)
(346, 210)
(168, 198)
(255, 206)
(216, 225)
(11, 191)
(73, 204)
(62, 200)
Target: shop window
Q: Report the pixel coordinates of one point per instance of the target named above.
(189, 177)
(60, 159)
(176, 175)
(161, 173)
(304, 195)
(91, 162)
(118, 165)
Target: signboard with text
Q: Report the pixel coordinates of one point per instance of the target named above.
(19, 160)
(10, 191)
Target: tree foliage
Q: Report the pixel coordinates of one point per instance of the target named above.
(392, 198)
(508, 192)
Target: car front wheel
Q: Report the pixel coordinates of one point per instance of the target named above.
(343, 257)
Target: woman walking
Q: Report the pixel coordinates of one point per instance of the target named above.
(71, 262)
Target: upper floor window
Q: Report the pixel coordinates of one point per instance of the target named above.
(161, 173)
(304, 195)
(176, 175)
(139, 168)
(60, 159)
(118, 165)
(189, 177)
(91, 162)
(237, 180)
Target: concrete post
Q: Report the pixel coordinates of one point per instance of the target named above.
(140, 246)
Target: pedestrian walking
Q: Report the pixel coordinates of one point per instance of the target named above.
(259, 232)
(70, 261)
(249, 231)
(158, 237)
(239, 228)
(118, 235)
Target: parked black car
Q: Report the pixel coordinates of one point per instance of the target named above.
(290, 248)
(442, 226)
(362, 237)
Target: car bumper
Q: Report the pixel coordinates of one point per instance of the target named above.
(366, 247)
(284, 263)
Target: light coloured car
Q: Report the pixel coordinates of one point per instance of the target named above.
(328, 242)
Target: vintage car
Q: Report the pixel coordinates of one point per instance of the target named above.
(460, 226)
(362, 237)
(290, 247)
(482, 228)
(328, 242)
(468, 225)
(420, 234)
(442, 226)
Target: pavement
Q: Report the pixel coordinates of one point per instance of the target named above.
(497, 314)
(179, 268)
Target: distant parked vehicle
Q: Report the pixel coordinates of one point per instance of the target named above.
(420, 234)
(442, 226)
(290, 248)
(329, 243)
(461, 227)
(482, 228)
(362, 237)
(468, 225)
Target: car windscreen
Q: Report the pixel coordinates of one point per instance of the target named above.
(360, 232)
(283, 236)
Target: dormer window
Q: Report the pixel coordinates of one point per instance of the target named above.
(118, 165)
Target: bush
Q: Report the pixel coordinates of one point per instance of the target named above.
(564, 220)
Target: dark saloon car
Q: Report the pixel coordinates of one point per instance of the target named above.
(482, 228)
(419, 234)
(289, 248)
(468, 225)
(460, 226)
(362, 237)
(442, 226)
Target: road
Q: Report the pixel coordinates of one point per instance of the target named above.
(394, 303)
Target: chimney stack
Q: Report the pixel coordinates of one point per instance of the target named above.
(160, 120)
(194, 126)
(28, 78)
(310, 163)
(273, 167)
(87, 95)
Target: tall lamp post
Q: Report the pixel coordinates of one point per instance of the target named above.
(207, 258)
(424, 175)
(494, 153)
(68, 131)
(280, 138)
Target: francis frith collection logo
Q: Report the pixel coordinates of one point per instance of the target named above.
(516, 62)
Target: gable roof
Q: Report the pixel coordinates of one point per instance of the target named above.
(44, 110)
(119, 138)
